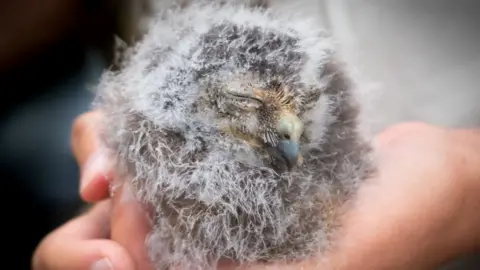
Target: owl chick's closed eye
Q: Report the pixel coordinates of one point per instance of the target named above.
(240, 129)
(266, 119)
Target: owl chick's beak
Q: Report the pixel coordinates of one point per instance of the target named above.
(290, 128)
(290, 152)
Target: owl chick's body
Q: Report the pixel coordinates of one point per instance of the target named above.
(240, 128)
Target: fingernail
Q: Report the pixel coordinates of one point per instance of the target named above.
(95, 165)
(103, 264)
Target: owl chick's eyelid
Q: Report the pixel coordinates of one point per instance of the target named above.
(245, 96)
(245, 102)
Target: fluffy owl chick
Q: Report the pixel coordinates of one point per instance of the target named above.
(240, 129)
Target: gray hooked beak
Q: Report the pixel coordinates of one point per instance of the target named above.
(290, 152)
(289, 129)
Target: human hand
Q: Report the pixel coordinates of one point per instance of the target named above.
(128, 223)
(422, 207)
(418, 211)
(83, 243)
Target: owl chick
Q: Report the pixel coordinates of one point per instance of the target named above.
(239, 127)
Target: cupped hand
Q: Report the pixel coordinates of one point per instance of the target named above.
(419, 210)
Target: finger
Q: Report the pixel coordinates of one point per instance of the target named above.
(78, 245)
(96, 254)
(92, 224)
(130, 226)
(84, 139)
(94, 183)
(93, 163)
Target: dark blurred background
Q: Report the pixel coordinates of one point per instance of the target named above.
(53, 51)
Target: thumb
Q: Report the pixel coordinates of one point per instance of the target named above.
(94, 164)
(78, 244)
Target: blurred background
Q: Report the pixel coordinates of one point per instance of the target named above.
(51, 53)
(423, 54)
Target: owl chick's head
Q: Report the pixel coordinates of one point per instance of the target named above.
(240, 129)
(254, 82)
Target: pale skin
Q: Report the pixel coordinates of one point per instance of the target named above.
(418, 212)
